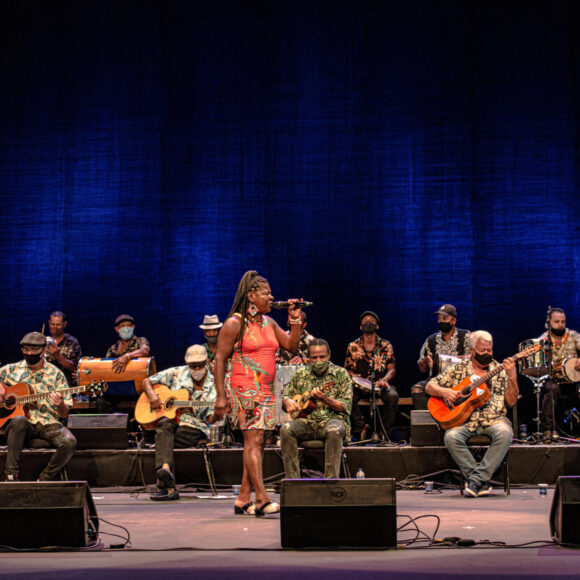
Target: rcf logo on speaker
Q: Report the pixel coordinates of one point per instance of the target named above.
(337, 494)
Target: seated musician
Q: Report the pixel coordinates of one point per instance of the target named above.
(126, 348)
(285, 357)
(44, 416)
(330, 388)
(449, 341)
(372, 357)
(62, 350)
(490, 419)
(193, 427)
(211, 328)
(564, 343)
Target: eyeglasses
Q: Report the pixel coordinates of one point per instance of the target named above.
(32, 349)
(196, 365)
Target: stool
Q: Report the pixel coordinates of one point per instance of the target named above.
(319, 444)
(479, 444)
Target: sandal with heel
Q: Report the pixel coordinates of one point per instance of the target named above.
(249, 509)
(268, 508)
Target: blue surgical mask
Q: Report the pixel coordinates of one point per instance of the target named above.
(126, 332)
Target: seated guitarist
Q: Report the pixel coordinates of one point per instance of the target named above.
(44, 417)
(330, 392)
(193, 425)
(487, 420)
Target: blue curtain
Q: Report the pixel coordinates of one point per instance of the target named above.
(380, 155)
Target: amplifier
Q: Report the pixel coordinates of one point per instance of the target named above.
(99, 431)
(333, 513)
(425, 431)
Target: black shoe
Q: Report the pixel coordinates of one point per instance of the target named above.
(164, 495)
(267, 509)
(165, 479)
(472, 488)
(249, 509)
(485, 489)
(10, 477)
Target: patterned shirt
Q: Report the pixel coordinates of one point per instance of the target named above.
(47, 379)
(494, 408)
(435, 344)
(70, 348)
(336, 383)
(570, 347)
(210, 354)
(135, 344)
(361, 363)
(283, 356)
(177, 378)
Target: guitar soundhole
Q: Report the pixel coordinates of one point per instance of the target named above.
(10, 402)
(169, 404)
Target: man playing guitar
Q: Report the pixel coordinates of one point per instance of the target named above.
(326, 390)
(42, 419)
(189, 428)
(487, 420)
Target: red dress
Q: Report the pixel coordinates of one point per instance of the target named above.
(251, 375)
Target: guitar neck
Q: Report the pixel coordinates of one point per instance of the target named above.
(194, 404)
(39, 396)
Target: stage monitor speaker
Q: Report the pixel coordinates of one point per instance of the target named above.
(99, 431)
(425, 431)
(335, 513)
(565, 512)
(47, 513)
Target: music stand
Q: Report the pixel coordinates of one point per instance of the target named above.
(375, 438)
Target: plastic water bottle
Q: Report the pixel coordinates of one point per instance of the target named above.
(523, 431)
(360, 474)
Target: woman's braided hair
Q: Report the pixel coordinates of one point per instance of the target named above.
(250, 281)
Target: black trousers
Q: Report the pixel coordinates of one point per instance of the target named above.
(169, 436)
(20, 430)
(390, 399)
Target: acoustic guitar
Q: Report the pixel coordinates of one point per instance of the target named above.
(474, 394)
(19, 398)
(172, 402)
(306, 404)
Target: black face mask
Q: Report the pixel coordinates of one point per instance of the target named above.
(557, 331)
(32, 359)
(369, 327)
(445, 327)
(483, 359)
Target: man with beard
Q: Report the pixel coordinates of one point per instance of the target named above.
(449, 341)
(193, 426)
(372, 357)
(44, 416)
(62, 349)
(326, 392)
(211, 328)
(564, 343)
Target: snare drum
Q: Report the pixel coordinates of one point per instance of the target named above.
(446, 361)
(569, 369)
(535, 365)
(137, 369)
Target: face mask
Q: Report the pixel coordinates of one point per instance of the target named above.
(211, 339)
(197, 375)
(557, 331)
(32, 359)
(319, 367)
(483, 359)
(126, 333)
(445, 327)
(369, 327)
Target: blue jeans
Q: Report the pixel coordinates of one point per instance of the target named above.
(501, 434)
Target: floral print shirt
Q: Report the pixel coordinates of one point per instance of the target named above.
(362, 363)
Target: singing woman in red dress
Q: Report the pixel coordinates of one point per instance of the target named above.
(245, 371)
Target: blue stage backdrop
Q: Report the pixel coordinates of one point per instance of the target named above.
(379, 155)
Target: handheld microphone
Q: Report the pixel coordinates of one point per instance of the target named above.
(281, 304)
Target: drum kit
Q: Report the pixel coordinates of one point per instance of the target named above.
(537, 368)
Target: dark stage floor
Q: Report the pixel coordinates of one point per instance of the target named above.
(201, 536)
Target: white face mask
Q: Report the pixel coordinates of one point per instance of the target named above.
(197, 375)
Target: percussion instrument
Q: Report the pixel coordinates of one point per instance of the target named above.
(569, 371)
(136, 370)
(535, 365)
(363, 384)
(446, 361)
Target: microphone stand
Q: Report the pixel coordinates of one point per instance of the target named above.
(375, 437)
